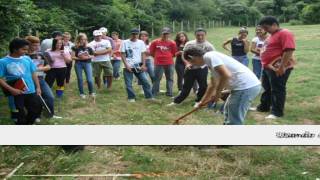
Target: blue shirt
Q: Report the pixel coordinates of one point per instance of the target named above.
(16, 68)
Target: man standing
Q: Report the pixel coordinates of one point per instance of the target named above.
(19, 79)
(226, 72)
(134, 59)
(163, 50)
(195, 74)
(106, 37)
(101, 61)
(277, 61)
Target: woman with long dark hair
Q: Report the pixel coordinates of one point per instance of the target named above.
(180, 65)
(57, 59)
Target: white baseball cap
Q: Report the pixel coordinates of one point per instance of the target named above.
(97, 33)
(103, 29)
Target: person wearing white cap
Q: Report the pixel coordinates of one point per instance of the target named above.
(105, 37)
(101, 61)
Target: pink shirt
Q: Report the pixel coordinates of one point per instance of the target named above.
(275, 45)
(57, 58)
(117, 52)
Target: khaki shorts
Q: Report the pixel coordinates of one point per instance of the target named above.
(98, 67)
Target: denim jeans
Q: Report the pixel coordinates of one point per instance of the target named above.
(242, 59)
(274, 94)
(238, 103)
(79, 66)
(168, 71)
(150, 70)
(257, 67)
(47, 95)
(142, 77)
(116, 68)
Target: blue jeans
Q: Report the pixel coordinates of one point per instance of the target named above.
(47, 95)
(142, 77)
(257, 67)
(116, 68)
(168, 71)
(79, 66)
(238, 104)
(242, 59)
(150, 70)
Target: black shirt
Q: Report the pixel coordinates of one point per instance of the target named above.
(80, 50)
(237, 47)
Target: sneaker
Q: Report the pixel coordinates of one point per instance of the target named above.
(172, 104)
(83, 96)
(38, 120)
(253, 109)
(272, 117)
(56, 117)
(131, 100)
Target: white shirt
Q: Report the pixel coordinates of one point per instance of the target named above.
(259, 44)
(242, 77)
(133, 50)
(98, 46)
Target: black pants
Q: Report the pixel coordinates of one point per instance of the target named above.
(190, 76)
(58, 74)
(68, 73)
(30, 102)
(274, 94)
(180, 67)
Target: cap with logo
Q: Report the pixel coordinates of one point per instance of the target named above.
(97, 33)
(166, 30)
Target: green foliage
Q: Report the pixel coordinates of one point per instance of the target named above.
(310, 14)
(22, 17)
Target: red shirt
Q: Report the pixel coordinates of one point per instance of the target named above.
(163, 51)
(275, 45)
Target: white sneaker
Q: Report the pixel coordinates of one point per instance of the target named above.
(93, 95)
(253, 109)
(131, 100)
(56, 117)
(172, 104)
(271, 117)
(38, 120)
(83, 96)
(196, 104)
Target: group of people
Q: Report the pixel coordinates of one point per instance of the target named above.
(41, 65)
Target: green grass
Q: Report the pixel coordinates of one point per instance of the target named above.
(182, 162)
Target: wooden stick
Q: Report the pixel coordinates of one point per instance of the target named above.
(177, 121)
(13, 171)
(138, 176)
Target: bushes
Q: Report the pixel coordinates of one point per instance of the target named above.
(310, 14)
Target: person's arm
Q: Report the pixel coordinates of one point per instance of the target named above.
(36, 82)
(216, 85)
(254, 48)
(44, 68)
(12, 90)
(286, 57)
(144, 59)
(103, 52)
(124, 60)
(66, 56)
(246, 45)
(224, 45)
(152, 48)
(224, 76)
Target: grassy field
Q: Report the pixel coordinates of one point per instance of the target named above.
(187, 162)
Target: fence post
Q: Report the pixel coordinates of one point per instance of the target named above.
(181, 26)
(76, 32)
(173, 26)
(229, 23)
(37, 33)
(194, 25)
(152, 30)
(188, 26)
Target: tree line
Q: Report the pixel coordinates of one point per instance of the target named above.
(22, 17)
